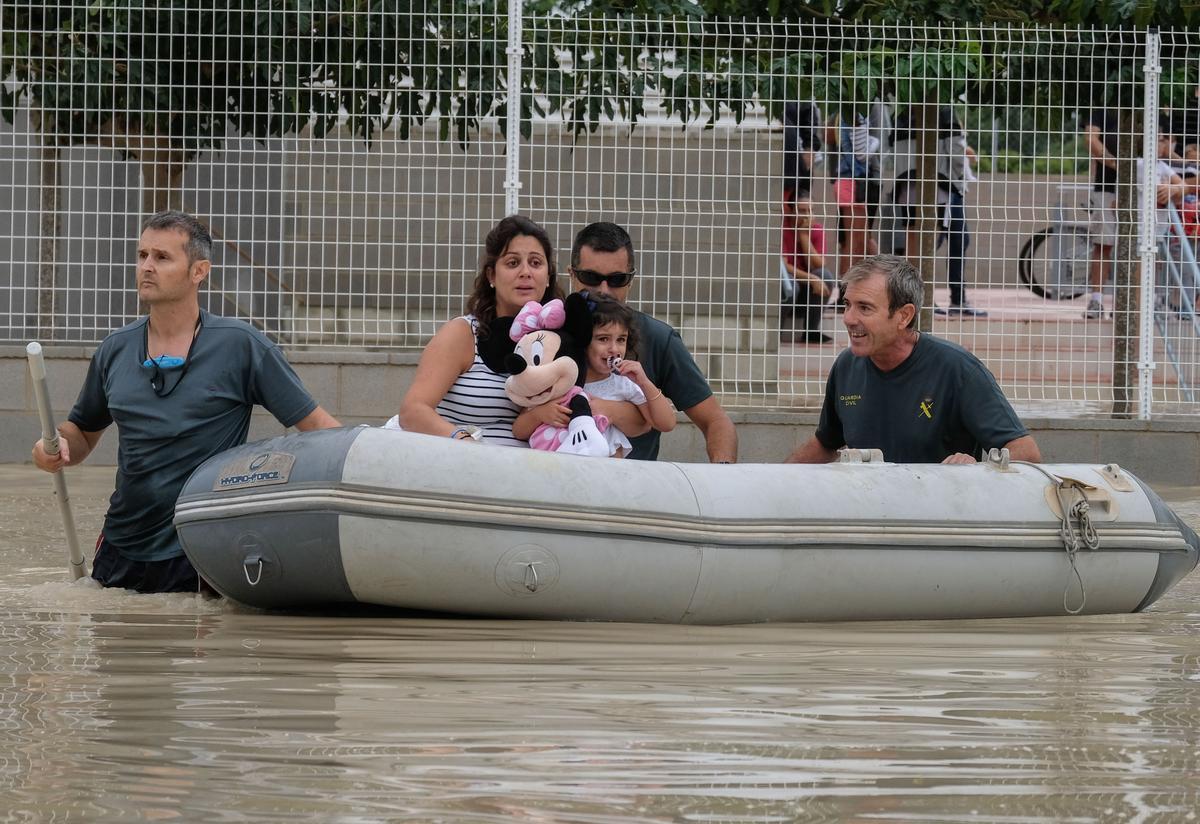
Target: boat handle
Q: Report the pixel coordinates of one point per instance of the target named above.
(252, 560)
(531, 576)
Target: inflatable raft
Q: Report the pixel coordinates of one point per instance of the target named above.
(390, 518)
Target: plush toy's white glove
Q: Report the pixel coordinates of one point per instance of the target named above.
(583, 438)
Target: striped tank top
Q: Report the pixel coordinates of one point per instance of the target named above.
(477, 399)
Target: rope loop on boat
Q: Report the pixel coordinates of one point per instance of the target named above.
(1073, 541)
(1085, 538)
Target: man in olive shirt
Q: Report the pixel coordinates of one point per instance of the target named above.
(179, 384)
(602, 260)
(917, 398)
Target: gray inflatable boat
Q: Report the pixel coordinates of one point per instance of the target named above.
(390, 518)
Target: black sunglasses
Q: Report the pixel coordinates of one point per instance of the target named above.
(158, 381)
(615, 280)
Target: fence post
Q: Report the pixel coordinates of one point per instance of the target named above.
(1147, 231)
(512, 136)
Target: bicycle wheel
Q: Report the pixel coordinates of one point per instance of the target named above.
(1054, 263)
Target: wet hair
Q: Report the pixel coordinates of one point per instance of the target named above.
(602, 237)
(199, 241)
(606, 309)
(904, 284)
(482, 301)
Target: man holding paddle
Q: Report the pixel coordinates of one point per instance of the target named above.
(179, 384)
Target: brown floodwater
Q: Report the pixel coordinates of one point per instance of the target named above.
(119, 707)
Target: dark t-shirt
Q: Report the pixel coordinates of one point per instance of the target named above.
(1104, 178)
(162, 439)
(939, 401)
(672, 369)
(800, 125)
(1184, 125)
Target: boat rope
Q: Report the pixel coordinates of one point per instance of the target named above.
(1072, 540)
(1086, 537)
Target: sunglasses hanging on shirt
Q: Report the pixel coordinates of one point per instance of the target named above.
(164, 365)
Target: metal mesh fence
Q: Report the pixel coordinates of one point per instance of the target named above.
(350, 161)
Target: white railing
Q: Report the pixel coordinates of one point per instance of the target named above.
(349, 166)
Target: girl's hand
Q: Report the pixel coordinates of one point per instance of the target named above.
(552, 413)
(632, 370)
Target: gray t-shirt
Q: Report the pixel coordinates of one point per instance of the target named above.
(940, 401)
(161, 440)
(670, 367)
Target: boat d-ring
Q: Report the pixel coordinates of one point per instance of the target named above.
(531, 575)
(250, 562)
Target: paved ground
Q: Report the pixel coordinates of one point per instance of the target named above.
(1034, 347)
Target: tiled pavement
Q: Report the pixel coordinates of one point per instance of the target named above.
(1048, 358)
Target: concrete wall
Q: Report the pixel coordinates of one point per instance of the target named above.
(367, 387)
(386, 240)
(238, 190)
(330, 242)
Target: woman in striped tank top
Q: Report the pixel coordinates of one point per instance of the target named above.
(455, 393)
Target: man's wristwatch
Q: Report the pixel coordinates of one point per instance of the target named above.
(463, 433)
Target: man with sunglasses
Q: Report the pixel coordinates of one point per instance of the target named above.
(180, 384)
(602, 260)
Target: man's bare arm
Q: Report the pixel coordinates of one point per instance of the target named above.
(317, 419)
(812, 451)
(1097, 149)
(1024, 448)
(720, 435)
(74, 446)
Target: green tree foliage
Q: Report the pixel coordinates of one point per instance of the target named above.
(188, 73)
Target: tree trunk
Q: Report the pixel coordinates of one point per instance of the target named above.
(162, 174)
(50, 223)
(1127, 300)
(924, 122)
(162, 165)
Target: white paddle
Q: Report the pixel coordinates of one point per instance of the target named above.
(37, 368)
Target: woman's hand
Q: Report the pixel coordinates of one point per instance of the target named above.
(552, 413)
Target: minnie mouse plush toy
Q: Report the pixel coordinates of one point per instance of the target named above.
(547, 363)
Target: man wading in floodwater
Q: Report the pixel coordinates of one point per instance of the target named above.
(180, 385)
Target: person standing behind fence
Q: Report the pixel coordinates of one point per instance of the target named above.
(855, 187)
(1169, 188)
(179, 384)
(953, 171)
(954, 159)
(801, 122)
(916, 397)
(1101, 136)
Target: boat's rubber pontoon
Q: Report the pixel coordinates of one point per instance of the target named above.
(397, 519)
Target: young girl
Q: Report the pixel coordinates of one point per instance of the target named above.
(611, 375)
